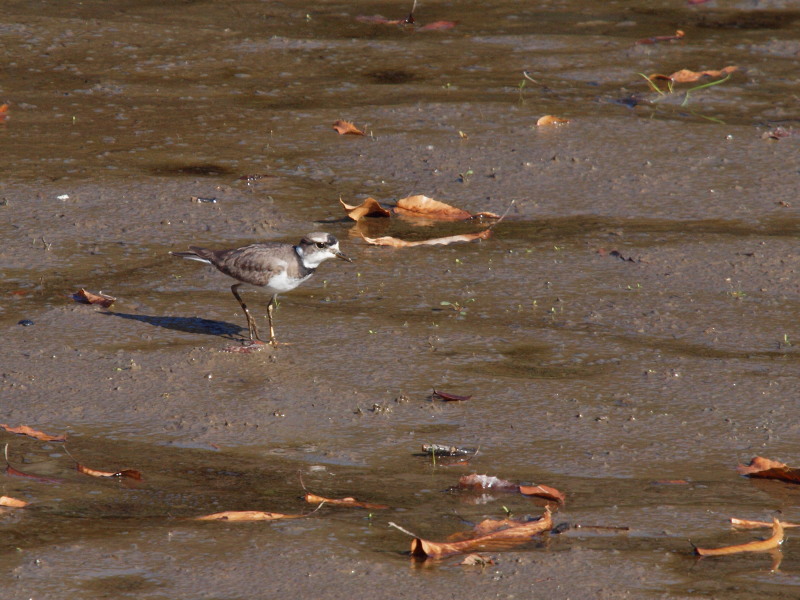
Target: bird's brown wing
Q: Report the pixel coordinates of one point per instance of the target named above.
(252, 264)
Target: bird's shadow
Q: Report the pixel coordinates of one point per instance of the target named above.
(186, 324)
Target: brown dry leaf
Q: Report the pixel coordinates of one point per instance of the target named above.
(314, 499)
(25, 430)
(687, 76)
(422, 206)
(769, 469)
(486, 482)
(347, 128)
(496, 540)
(747, 524)
(443, 241)
(129, 473)
(550, 120)
(772, 542)
(450, 397)
(12, 502)
(85, 297)
(246, 515)
(368, 208)
(542, 491)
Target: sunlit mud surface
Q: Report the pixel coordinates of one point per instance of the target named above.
(627, 334)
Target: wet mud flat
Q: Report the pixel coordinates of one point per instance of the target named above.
(627, 334)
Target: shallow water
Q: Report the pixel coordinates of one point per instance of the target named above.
(598, 373)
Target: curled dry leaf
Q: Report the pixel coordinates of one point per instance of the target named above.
(443, 241)
(687, 76)
(424, 207)
(769, 469)
(747, 524)
(542, 491)
(314, 499)
(12, 502)
(550, 120)
(85, 297)
(246, 515)
(25, 430)
(347, 128)
(772, 542)
(505, 536)
(128, 473)
(368, 208)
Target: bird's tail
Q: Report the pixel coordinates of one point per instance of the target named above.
(191, 255)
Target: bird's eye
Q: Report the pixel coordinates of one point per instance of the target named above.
(320, 245)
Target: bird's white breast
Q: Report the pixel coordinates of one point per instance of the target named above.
(282, 282)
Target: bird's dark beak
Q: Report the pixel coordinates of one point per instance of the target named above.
(343, 256)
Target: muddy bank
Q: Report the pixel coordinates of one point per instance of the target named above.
(632, 320)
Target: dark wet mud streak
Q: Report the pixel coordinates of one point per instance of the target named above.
(633, 320)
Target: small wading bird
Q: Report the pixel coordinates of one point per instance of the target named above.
(274, 266)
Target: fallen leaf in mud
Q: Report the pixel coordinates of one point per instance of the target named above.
(485, 482)
(368, 208)
(25, 430)
(476, 560)
(89, 298)
(450, 397)
(504, 534)
(438, 26)
(314, 499)
(772, 542)
(443, 241)
(662, 38)
(421, 206)
(347, 128)
(747, 524)
(542, 491)
(550, 120)
(129, 473)
(3, 112)
(246, 515)
(769, 469)
(687, 76)
(12, 502)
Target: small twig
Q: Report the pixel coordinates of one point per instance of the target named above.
(406, 531)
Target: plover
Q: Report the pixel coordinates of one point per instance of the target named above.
(274, 266)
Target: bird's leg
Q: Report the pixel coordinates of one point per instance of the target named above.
(251, 324)
(270, 308)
